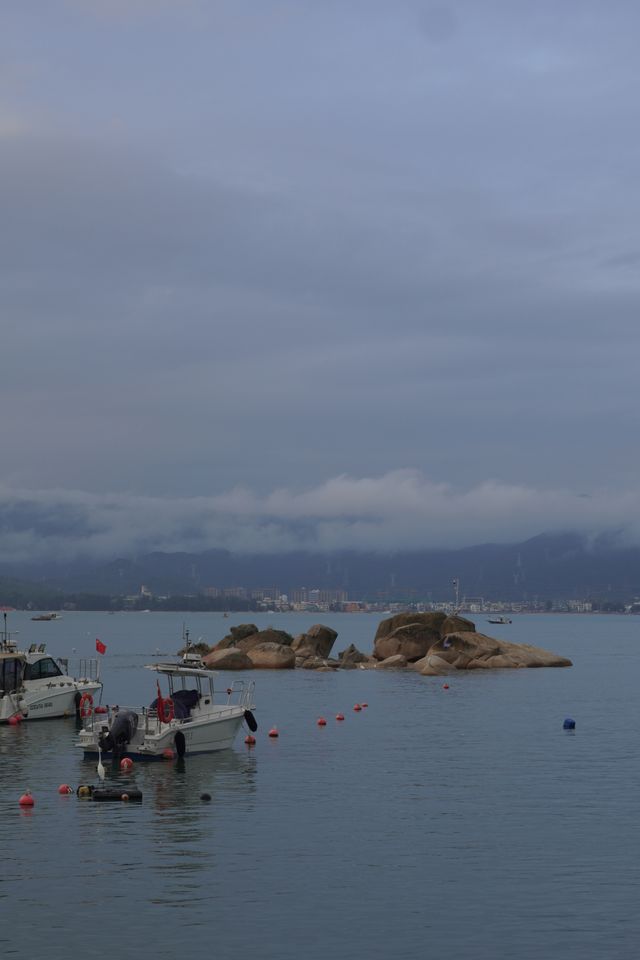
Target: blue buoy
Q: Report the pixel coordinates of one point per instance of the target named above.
(569, 724)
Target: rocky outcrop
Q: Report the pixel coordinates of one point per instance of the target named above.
(454, 623)
(229, 658)
(316, 642)
(431, 620)
(317, 663)
(397, 662)
(412, 640)
(278, 637)
(433, 644)
(468, 650)
(351, 657)
(272, 656)
(413, 634)
(235, 635)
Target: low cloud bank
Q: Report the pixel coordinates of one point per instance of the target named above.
(400, 510)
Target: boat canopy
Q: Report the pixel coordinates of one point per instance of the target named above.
(177, 670)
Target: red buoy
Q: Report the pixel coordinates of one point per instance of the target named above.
(64, 789)
(250, 741)
(168, 753)
(273, 732)
(126, 763)
(363, 705)
(322, 722)
(357, 707)
(26, 800)
(14, 720)
(445, 686)
(339, 716)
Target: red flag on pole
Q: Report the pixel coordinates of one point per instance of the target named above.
(100, 646)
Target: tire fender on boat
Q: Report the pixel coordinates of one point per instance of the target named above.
(250, 720)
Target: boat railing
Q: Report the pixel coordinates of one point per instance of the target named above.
(85, 670)
(240, 693)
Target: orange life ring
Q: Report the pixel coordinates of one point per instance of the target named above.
(85, 707)
(165, 710)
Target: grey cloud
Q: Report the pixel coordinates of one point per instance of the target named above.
(399, 510)
(276, 244)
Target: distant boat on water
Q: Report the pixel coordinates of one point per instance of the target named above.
(498, 620)
(47, 616)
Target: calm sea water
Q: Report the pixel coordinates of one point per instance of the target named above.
(447, 823)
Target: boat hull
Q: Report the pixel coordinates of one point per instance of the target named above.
(59, 700)
(207, 736)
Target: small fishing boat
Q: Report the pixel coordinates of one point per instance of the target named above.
(186, 722)
(35, 686)
(47, 616)
(498, 620)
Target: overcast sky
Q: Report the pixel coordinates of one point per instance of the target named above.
(335, 273)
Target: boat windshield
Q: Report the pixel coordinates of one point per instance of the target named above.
(11, 673)
(42, 669)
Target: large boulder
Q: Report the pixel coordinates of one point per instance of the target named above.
(270, 635)
(413, 634)
(316, 642)
(352, 656)
(431, 620)
(235, 635)
(432, 666)
(228, 658)
(411, 640)
(272, 656)
(453, 623)
(468, 650)
(397, 662)
(317, 663)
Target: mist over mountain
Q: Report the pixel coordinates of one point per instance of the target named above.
(547, 566)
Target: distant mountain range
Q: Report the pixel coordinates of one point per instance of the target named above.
(564, 566)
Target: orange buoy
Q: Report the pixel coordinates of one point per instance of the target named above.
(445, 686)
(168, 753)
(273, 733)
(357, 707)
(339, 716)
(321, 722)
(251, 741)
(126, 763)
(64, 789)
(26, 800)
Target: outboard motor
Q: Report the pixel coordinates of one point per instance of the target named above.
(121, 731)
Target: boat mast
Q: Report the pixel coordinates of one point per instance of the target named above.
(456, 587)
(6, 643)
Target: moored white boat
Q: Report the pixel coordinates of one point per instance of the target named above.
(498, 620)
(35, 686)
(186, 722)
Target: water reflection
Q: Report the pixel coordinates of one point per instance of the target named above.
(226, 776)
